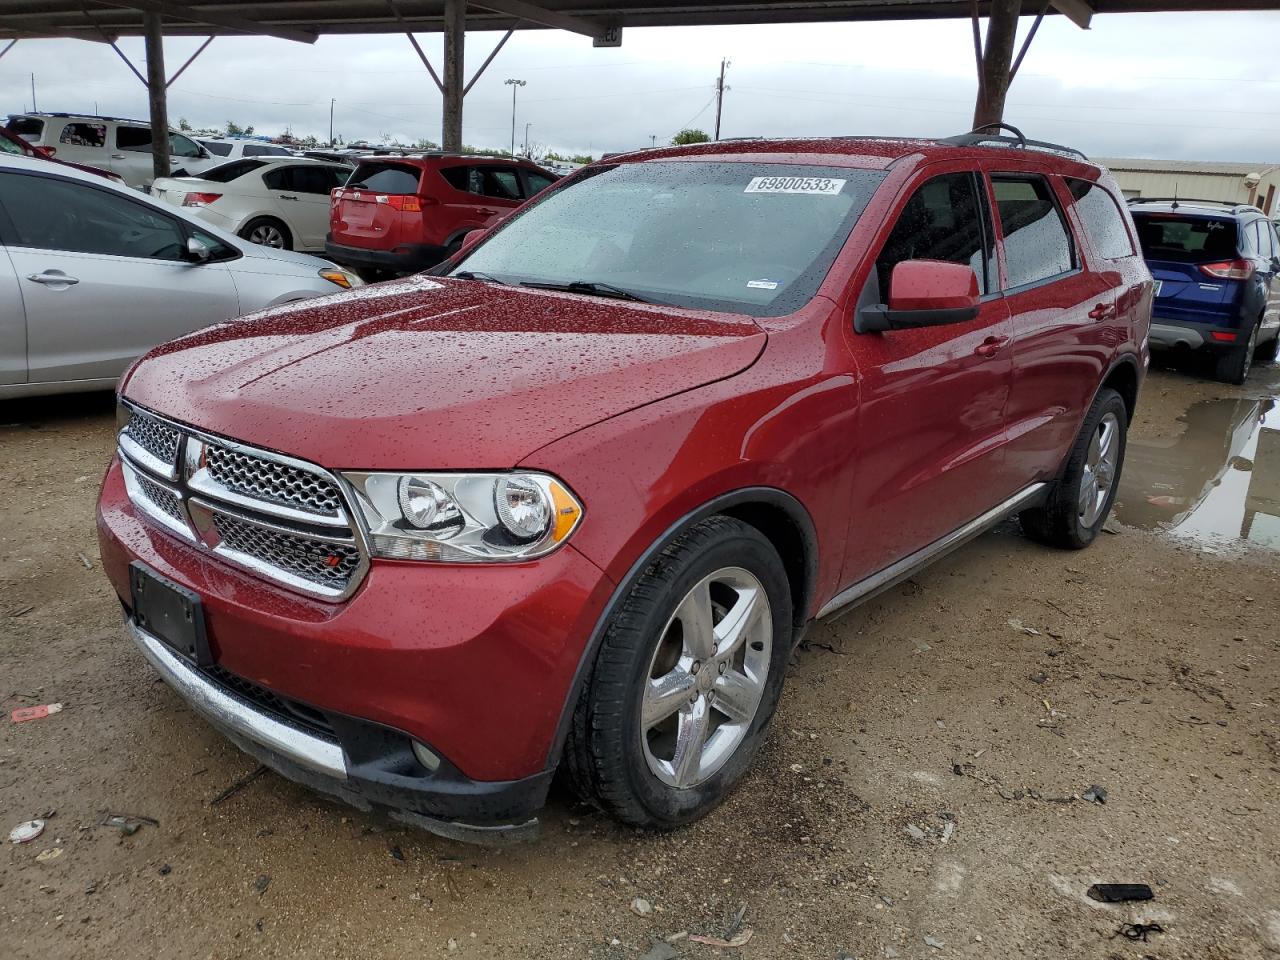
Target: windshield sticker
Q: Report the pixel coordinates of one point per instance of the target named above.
(763, 284)
(824, 186)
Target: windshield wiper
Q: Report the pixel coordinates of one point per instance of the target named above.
(475, 275)
(591, 288)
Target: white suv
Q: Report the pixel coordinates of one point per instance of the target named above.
(110, 143)
(236, 148)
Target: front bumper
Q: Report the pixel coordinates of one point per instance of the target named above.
(474, 663)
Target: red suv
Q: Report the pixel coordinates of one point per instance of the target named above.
(569, 504)
(402, 214)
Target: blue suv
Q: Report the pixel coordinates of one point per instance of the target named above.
(1215, 266)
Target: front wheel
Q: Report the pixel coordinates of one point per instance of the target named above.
(688, 675)
(268, 232)
(1081, 498)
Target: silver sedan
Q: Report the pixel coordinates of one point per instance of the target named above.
(93, 275)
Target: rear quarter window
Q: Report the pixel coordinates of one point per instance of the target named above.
(1102, 219)
(396, 178)
(217, 149)
(1182, 239)
(84, 134)
(28, 128)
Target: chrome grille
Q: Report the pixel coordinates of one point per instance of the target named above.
(311, 558)
(280, 518)
(161, 498)
(158, 439)
(262, 479)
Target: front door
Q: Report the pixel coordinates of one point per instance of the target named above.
(103, 276)
(13, 324)
(932, 409)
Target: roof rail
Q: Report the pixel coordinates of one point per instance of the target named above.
(975, 138)
(1231, 205)
(83, 116)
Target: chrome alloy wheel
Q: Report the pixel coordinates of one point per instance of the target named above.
(1100, 468)
(267, 235)
(706, 677)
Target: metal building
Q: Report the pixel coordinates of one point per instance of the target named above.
(1255, 183)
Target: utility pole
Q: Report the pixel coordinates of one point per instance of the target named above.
(720, 88)
(332, 101)
(33, 93)
(153, 32)
(653, 140)
(514, 84)
(526, 137)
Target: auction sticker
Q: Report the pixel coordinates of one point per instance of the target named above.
(824, 186)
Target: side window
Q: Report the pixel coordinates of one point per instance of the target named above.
(537, 182)
(278, 179)
(943, 220)
(457, 177)
(133, 138)
(1037, 244)
(217, 149)
(1102, 219)
(180, 146)
(53, 214)
(1249, 239)
(84, 134)
(258, 150)
(310, 179)
(1270, 249)
(503, 183)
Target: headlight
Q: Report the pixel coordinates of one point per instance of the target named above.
(343, 278)
(464, 517)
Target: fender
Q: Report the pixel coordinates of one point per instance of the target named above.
(1122, 359)
(746, 495)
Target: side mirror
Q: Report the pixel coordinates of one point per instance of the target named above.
(197, 250)
(471, 238)
(923, 293)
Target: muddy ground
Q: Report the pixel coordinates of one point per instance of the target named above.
(1149, 665)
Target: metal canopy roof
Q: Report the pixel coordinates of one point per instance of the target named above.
(305, 20)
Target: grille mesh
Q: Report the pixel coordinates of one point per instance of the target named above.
(161, 498)
(319, 561)
(280, 483)
(156, 438)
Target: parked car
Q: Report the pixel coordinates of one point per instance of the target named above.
(402, 214)
(571, 502)
(1217, 291)
(109, 143)
(268, 200)
(236, 148)
(14, 145)
(92, 275)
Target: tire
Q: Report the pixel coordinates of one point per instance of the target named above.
(618, 761)
(1062, 521)
(1234, 366)
(267, 227)
(1268, 351)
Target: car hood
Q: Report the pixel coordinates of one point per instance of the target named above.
(435, 374)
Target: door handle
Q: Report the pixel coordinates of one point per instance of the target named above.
(287, 196)
(1101, 311)
(52, 278)
(991, 346)
(117, 156)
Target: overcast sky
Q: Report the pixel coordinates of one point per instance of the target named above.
(1192, 86)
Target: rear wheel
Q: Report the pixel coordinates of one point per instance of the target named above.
(688, 674)
(267, 232)
(1080, 500)
(1234, 366)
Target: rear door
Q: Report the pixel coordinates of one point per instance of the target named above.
(369, 211)
(102, 276)
(301, 196)
(1062, 317)
(482, 195)
(932, 415)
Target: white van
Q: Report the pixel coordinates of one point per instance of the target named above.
(121, 146)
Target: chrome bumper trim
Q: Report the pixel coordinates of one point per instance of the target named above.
(233, 715)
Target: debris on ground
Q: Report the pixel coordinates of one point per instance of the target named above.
(44, 856)
(735, 934)
(239, 785)
(26, 831)
(641, 907)
(1040, 677)
(396, 852)
(260, 885)
(1095, 794)
(934, 942)
(23, 714)
(1120, 892)
(165, 870)
(660, 950)
(88, 564)
(914, 832)
(1023, 628)
(948, 829)
(1137, 931)
(127, 823)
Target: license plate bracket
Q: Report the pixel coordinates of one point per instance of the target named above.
(170, 612)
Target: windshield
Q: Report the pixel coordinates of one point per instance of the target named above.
(741, 237)
(1174, 239)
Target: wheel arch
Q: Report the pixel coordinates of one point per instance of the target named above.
(778, 515)
(1124, 379)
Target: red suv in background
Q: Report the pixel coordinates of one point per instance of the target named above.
(570, 503)
(402, 214)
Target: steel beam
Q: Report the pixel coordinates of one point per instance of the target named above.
(487, 60)
(1079, 12)
(190, 60)
(230, 21)
(523, 10)
(156, 93)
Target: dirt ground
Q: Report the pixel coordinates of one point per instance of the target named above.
(919, 796)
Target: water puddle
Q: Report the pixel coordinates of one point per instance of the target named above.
(1217, 484)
